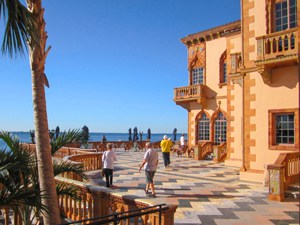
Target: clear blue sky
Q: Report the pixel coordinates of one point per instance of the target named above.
(113, 64)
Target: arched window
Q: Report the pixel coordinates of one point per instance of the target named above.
(223, 68)
(203, 128)
(220, 128)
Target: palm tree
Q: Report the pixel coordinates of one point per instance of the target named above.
(22, 27)
(18, 175)
(17, 172)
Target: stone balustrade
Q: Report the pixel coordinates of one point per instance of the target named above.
(99, 201)
(277, 44)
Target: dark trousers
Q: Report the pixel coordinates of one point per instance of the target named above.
(108, 176)
(166, 158)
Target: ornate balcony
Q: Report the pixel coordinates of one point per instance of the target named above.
(276, 50)
(183, 96)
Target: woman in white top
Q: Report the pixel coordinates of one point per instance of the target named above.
(108, 159)
(182, 141)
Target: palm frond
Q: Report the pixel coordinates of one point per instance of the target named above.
(66, 137)
(17, 194)
(21, 28)
(68, 190)
(67, 166)
(17, 158)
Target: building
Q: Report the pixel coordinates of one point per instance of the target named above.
(243, 87)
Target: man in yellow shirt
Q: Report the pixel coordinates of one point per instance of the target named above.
(166, 145)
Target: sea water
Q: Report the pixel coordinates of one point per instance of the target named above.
(95, 136)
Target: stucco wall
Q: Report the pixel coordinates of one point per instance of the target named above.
(283, 93)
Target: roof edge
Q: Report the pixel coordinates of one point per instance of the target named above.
(213, 33)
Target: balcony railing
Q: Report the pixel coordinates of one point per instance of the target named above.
(279, 46)
(189, 93)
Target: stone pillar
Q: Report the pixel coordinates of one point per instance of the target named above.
(101, 201)
(276, 182)
(167, 217)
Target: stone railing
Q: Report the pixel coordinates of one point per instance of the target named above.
(282, 173)
(277, 44)
(96, 201)
(202, 150)
(99, 201)
(91, 161)
(9, 216)
(189, 92)
(220, 152)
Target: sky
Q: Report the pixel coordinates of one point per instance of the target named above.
(113, 64)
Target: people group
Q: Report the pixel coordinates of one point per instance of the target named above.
(149, 163)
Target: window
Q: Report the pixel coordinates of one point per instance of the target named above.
(285, 15)
(220, 125)
(224, 72)
(203, 128)
(198, 75)
(283, 129)
(223, 69)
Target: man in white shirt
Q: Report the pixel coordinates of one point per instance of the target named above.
(150, 163)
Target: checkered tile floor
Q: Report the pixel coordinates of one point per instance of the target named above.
(205, 192)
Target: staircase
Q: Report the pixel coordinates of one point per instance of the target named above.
(293, 191)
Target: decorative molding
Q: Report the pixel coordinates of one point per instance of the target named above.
(236, 79)
(266, 75)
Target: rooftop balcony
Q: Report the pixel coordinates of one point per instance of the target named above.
(276, 50)
(183, 96)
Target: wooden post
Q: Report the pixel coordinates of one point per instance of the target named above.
(216, 152)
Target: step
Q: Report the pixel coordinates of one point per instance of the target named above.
(293, 191)
(294, 187)
(292, 194)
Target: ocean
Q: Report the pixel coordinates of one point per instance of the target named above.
(25, 136)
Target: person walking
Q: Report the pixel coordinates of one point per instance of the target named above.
(149, 163)
(182, 142)
(166, 145)
(108, 159)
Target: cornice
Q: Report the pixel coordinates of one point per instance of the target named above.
(213, 33)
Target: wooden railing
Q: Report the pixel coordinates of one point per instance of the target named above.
(282, 173)
(220, 152)
(98, 201)
(277, 44)
(202, 150)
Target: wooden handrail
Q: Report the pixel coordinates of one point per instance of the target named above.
(282, 173)
(220, 152)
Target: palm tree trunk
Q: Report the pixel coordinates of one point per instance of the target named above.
(43, 150)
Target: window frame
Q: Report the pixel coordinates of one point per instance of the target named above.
(271, 6)
(214, 127)
(198, 118)
(272, 129)
(223, 73)
(198, 70)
